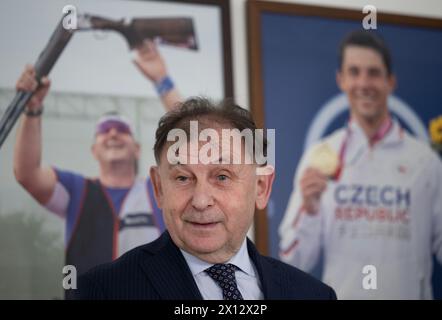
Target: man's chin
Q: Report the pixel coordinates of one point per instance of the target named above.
(368, 111)
(204, 245)
(116, 158)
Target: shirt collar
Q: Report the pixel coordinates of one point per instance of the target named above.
(241, 259)
(389, 132)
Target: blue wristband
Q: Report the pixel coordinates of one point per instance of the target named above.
(164, 85)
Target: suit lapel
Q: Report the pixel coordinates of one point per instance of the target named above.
(168, 272)
(269, 275)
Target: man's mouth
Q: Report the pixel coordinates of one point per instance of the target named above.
(203, 225)
(366, 100)
(114, 145)
(366, 97)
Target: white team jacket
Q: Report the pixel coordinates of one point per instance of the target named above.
(385, 210)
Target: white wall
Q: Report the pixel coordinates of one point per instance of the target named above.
(424, 8)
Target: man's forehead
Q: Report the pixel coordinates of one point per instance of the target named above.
(354, 54)
(225, 151)
(215, 144)
(208, 167)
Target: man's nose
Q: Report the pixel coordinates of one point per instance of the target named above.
(202, 196)
(363, 80)
(112, 131)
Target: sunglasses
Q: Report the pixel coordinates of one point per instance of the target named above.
(106, 126)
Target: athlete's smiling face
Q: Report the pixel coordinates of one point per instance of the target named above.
(114, 143)
(365, 79)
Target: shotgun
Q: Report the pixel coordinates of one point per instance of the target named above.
(175, 31)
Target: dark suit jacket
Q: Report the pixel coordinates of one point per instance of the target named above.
(158, 270)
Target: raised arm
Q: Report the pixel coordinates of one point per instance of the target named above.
(150, 62)
(39, 181)
(301, 228)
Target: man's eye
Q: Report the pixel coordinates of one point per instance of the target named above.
(182, 178)
(222, 177)
(374, 73)
(353, 71)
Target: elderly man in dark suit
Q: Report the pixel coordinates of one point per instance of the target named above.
(208, 189)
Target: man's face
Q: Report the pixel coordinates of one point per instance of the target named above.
(115, 143)
(365, 80)
(208, 208)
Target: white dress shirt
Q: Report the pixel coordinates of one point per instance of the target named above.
(246, 276)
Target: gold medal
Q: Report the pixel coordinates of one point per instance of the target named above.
(324, 159)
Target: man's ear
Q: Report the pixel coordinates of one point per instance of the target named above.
(94, 151)
(392, 81)
(137, 150)
(339, 79)
(264, 186)
(156, 183)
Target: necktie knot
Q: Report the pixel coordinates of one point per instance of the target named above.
(224, 276)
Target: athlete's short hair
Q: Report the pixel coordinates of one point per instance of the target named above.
(368, 39)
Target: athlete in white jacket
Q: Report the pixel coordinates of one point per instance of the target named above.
(383, 207)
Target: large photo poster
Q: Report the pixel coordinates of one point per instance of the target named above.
(96, 73)
(293, 51)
